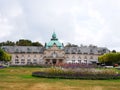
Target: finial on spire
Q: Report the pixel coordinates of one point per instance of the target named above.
(54, 30)
(54, 36)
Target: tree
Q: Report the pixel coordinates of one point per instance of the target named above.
(109, 58)
(7, 43)
(21, 42)
(36, 44)
(113, 51)
(24, 42)
(4, 56)
(68, 45)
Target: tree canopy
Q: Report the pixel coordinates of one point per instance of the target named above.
(4, 56)
(110, 58)
(7, 43)
(21, 42)
(70, 45)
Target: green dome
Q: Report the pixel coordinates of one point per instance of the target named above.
(54, 35)
(53, 41)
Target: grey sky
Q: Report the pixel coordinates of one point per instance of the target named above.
(84, 22)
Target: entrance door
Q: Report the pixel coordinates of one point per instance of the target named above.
(54, 61)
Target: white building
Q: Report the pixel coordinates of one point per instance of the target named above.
(53, 53)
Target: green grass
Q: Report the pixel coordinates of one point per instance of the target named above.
(19, 78)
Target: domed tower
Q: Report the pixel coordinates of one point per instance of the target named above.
(54, 40)
(54, 53)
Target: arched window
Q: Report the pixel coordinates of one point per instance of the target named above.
(17, 50)
(91, 57)
(73, 59)
(28, 50)
(22, 61)
(79, 59)
(17, 56)
(85, 57)
(34, 55)
(16, 61)
(28, 55)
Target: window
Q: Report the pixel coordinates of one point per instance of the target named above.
(28, 55)
(79, 57)
(40, 55)
(91, 51)
(73, 61)
(34, 55)
(73, 57)
(91, 57)
(67, 58)
(22, 61)
(85, 53)
(85, 57)
(34, 60)
(16, 56)
(85, 61)
(73, 51)
(16, 61)
(29, 61)
(67, 52)
(28, 50)
(79, 52)
(16, 50)
(79, 61)
(54, 55)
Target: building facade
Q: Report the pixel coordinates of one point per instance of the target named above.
(54, 53)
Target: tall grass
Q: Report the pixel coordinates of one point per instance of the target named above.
(19, 78)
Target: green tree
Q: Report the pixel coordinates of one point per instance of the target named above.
(109, 58)
(7, 43)
(68, 45)
(36, 44)
(113, 51)
(24, 42)
(4, 56)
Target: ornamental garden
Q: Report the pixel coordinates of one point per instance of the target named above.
(68, 62)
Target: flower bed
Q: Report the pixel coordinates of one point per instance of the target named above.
(78, 73)
(2, 67)
(77, 65)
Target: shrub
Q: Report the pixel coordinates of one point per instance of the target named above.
(78, 73)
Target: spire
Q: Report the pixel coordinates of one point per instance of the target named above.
(54, 36)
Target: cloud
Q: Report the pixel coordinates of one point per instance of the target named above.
(4, 25)
(79, 21)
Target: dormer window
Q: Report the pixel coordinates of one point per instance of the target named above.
(28, 50)
(17, 56)
(85, 57)
(54, 55)
(91, 57)
(17, 50)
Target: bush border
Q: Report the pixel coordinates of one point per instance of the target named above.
(75, 76)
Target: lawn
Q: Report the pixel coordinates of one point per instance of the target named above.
(19, 78)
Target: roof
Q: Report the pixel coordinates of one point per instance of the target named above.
(23, 49)
(85, 50)
(68, 50)
(53, 41)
